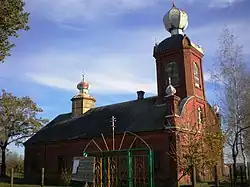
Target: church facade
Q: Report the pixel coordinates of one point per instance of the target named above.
(180, 97)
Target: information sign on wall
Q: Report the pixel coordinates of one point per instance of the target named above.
(83, 169)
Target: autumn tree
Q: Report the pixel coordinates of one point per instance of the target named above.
(13, 18)
(230, 78)
(18, 121)
(15, 161)
(199, 146)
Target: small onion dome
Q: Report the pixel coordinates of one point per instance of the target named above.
(175, 21)
(170, 90)
(82, 85)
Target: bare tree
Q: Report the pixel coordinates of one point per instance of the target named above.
(231, 81)
(199, 145)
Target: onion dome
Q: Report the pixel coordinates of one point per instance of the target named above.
(170, 90)
(175, 21)
(83, 85)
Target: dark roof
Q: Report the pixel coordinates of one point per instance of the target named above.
(135, 116)
(173, 42)
(60, 118)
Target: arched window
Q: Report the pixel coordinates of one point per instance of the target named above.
(172, 71)
(200, 115)
(196, 75)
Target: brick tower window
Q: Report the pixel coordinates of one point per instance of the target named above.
(172, 71)
(200, 115)
(196, 75)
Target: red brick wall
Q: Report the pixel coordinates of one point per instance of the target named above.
(47, 155)
(161, 62)
(189, 117)
(185, 59)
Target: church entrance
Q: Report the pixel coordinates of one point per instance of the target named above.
(128, 166)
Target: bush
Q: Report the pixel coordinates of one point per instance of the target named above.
(197, 185)
(15, 161)
(65, 177)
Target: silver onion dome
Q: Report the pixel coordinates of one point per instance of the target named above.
(175, 21)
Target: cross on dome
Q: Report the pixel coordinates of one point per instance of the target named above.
(169, 80)
(83, 86)
(173, 4)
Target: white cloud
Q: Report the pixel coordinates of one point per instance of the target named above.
(121, 65)
(69, 10)
(215, 3)
(107, 73)
(223, 3)
(102, 84)
(82, 11)
(112, 67)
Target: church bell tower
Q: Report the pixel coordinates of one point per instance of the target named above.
(82, 102)
(179, 59)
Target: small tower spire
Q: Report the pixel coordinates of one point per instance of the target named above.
(83, 101)
(170, 90)
(169, 80)
(173, 3)
(83, 77)
(83, 86)
(83, 74)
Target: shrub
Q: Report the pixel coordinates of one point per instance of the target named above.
(65, 177)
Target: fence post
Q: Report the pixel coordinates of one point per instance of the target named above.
(130, 169)
(216, 180)
(151, 165)
(42, 178)
(12, 177)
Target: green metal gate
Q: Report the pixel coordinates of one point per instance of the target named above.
(131, 167)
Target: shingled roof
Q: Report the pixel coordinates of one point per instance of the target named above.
(135, 116)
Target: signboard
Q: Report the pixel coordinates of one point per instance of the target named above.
(83, 169)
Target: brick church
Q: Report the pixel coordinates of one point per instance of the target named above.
(180, 88)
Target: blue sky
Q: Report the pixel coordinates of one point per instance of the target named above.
(112, 40)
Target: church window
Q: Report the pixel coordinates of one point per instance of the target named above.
(196, 75)
(172, 71)
(200, 115)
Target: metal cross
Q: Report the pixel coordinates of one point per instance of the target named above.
(113, 120)
(173, 3)
(169, 80)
